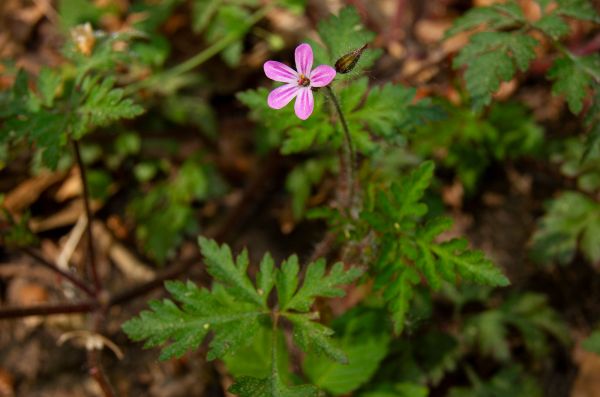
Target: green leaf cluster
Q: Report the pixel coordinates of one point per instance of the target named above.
(237, 306)
(529, 314)
(408, 249)
(67, 103)
(508, 33)
(508, 382)
(470, 143)
(571, 222)
(491, 58)
(342, 34)
(164, 214)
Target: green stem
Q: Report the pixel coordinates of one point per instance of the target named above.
(349, 154)
(201, 57)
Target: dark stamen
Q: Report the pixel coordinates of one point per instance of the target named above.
(303, 81)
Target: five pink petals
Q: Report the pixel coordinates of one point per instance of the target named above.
(299, 82)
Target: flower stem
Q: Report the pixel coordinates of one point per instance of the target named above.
(349, 155)
(88, 213)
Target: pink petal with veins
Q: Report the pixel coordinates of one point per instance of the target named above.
(280, 72)
(321, 76)
(304, 103)
(281, 96)
(304, 59)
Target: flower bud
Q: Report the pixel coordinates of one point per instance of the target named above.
(347, 62)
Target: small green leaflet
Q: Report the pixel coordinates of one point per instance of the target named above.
(344, 33)
(592, 343)
(499, 16)
(573, 76)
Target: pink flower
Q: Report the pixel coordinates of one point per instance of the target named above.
(298, 82)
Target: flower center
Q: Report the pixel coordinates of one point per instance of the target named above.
(303, 81)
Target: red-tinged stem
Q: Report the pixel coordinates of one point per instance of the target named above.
(98, 373)
(46, 310)
(68, 275)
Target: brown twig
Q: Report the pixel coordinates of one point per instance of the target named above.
(88, 213)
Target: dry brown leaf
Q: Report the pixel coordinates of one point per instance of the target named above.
(125, 260)
(26, 293)
(6, 384)
(65, 217)
(27, 192)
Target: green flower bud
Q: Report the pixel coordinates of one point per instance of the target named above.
(347, 62)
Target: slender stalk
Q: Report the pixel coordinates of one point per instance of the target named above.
(46, 310)
(201, 57)
(69, 276)
(98, 374)
(88, 213)
(349, 155)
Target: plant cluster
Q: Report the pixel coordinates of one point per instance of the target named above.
(369, 324)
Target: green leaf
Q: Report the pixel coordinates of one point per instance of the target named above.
(102, 105)
(315, 337)
(221, 265)
(491, 58)
(44, 128)
(572, 219)
(301, 179)
(399, 295)
(286, 280)
(270, 387)
(529, 314)
(316, 284)
(495, 17)
(553, 25)
(344, 33)
(404, 389)
(592, 343)
(572, 78)
(387, 110)
(265, 279)
(592, 122)
(186, 326)
(409, 192)
(364, 341)
(471, 265)
(47, 85)
(407, 246)
(511, 381)
(579, 9)
(254, 360)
